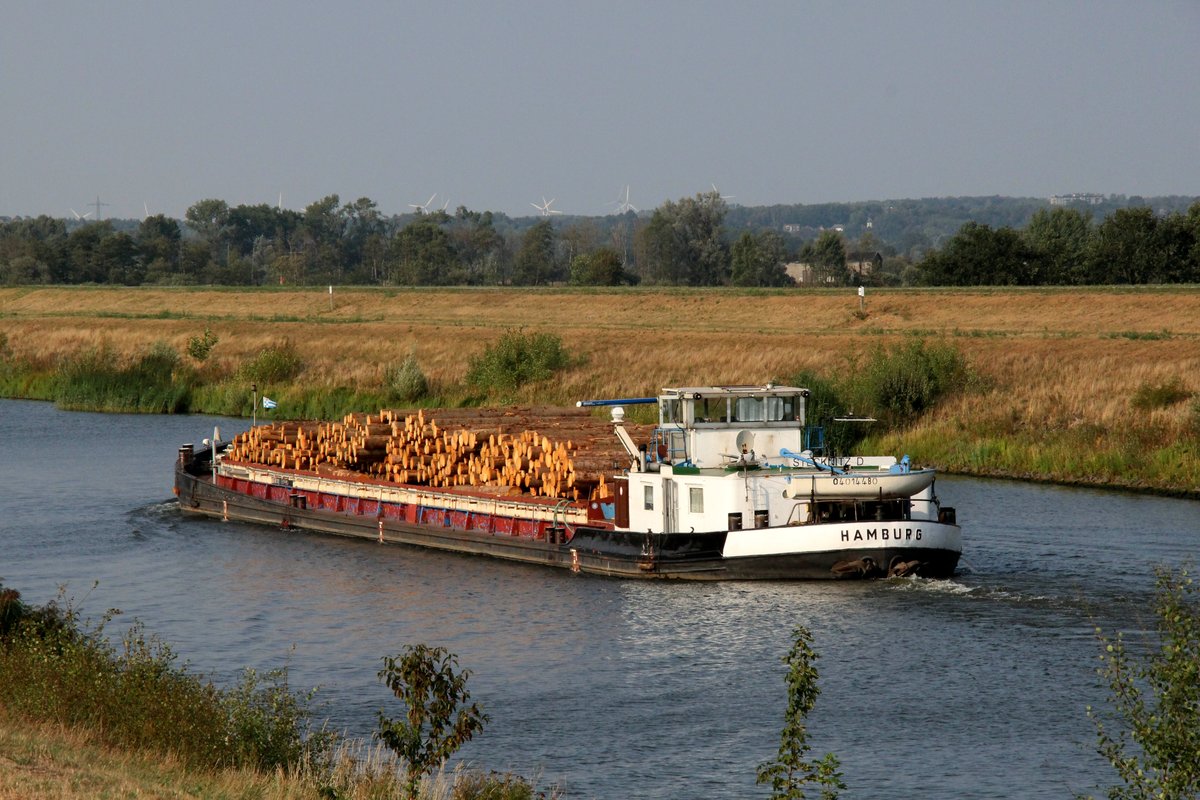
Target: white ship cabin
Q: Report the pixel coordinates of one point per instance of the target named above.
(724, 458)
(715, 426)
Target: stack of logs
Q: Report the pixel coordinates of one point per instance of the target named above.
(546, 452)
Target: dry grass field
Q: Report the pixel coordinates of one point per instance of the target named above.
(1059, 365)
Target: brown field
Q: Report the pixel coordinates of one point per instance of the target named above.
(1055, 360)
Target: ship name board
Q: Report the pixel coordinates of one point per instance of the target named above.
(881, 534)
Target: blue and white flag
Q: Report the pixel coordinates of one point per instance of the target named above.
(268, 403)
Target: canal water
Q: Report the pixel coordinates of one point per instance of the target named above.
(971, 687)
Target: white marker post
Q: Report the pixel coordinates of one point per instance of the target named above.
(862, 298)
(331, 297)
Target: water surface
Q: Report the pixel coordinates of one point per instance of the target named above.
(614, 689)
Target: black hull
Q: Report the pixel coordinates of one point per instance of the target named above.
(599, 551)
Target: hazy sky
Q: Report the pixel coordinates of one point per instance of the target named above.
(493, 106)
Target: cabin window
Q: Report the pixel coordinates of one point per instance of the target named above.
(696, 496)
(672, 412)
(748, 409)
(712, 409)
(648, 494)
(781, 409)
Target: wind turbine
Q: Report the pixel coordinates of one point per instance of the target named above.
(80, 216)
(717, 192)
(545, 207)
(623, 205)
(423, 208)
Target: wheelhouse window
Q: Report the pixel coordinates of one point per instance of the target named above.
(648, 498)
(748, 409)
(712, 409)
(696, 497)
(672, 412)
(781, 409)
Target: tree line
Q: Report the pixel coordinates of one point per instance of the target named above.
(694, 241)
(1064, 247)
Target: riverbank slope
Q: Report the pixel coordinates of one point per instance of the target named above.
(1094, 386)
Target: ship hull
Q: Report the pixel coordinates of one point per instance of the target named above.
(825, 551)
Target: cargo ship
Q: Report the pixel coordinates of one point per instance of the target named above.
(730, 484)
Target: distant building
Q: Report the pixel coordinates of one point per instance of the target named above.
(806, 274)
(1076, 199)
(806, 230)
(859, 265)
(862, 265)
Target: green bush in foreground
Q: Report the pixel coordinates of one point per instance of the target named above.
(791, 770)
(439, 717)
(135, 696)
(517, 358)
(1151, 732)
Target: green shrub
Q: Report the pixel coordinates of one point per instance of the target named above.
(1159, 395)
(274, 364)
(825, 402)
(199, 347)
(407, 382)
(270, 725)
(516, 359)
(896, 384)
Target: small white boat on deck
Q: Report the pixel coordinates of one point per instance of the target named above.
(863, 485)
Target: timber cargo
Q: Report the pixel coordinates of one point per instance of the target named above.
(689, 497)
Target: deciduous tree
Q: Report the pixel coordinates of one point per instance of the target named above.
(758, 259)
(601, 267)
(1060, 239)
(684, 242)
(535, 263)
(980, 256)
(1125, 248)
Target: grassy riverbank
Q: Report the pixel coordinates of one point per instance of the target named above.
(1091, 386)
(51, 761)
(82, 716)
